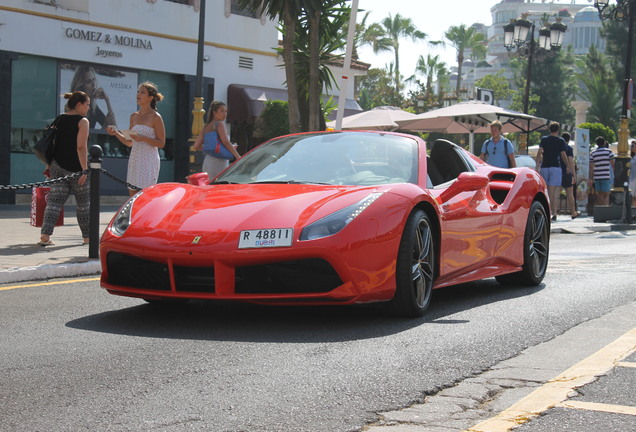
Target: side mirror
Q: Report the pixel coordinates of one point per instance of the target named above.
(466, 182)
(198, 179)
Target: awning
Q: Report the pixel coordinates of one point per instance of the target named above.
(247, 102)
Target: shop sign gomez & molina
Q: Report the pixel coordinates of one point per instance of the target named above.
(108, 39)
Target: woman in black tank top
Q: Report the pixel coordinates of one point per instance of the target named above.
(70, 156)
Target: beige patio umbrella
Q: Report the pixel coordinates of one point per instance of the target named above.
(472, 117)
(383, 118)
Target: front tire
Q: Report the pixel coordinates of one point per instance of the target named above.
(415, 268)
(536, 247)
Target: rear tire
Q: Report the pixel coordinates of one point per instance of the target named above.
(415, 268)
(536, 247)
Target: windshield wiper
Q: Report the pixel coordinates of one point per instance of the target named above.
(223, 182)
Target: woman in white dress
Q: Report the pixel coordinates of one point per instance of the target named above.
(147, 136)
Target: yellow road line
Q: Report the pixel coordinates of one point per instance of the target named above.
(626, 364)
(592, 406)
(48, 283)
(558, 389)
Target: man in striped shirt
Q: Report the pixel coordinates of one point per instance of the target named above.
(601, 162)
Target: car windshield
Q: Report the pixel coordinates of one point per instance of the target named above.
(335, 158)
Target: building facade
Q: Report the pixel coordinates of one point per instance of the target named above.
(583, 31)
(49, 47)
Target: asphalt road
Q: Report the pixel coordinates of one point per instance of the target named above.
(76, 358)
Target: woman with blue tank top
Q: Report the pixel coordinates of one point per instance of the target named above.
(215, 127)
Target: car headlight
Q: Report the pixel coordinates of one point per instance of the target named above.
(335, 222)
(121, 222)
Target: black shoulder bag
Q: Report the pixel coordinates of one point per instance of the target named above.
(45, 147)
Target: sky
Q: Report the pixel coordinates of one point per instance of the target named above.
(433, 17)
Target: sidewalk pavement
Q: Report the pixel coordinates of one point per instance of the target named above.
(22, 259)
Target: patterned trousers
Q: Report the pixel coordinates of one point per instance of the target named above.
(60, 192)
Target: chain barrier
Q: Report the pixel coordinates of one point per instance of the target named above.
(128, 185)
(68, 177)
(43, 182)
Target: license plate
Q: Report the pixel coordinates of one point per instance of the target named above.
(264, 238)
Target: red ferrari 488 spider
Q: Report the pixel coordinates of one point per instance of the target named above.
(332, 218)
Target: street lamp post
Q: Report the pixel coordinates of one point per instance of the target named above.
(198, 112)
(519, 35)
(623, 10)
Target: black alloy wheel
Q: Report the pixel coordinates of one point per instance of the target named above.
(536, 248)
(415, 267)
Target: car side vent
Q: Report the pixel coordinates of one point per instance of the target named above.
(502, 177)
(246, 62)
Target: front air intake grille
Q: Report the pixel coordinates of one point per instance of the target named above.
(300, 276)
(130, 271)
(194, 279)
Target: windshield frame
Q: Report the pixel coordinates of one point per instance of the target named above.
(353, 158)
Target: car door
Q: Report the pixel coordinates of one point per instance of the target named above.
(470, 221)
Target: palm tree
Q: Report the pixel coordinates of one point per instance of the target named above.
(317, 38)
(604, 94)
(288, 11)
(371, 35)
(430, 68)
(313, 94)
(464, 38)
(308, 30)
(396, 28)
(592, 71)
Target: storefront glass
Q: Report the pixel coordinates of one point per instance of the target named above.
(38, 84)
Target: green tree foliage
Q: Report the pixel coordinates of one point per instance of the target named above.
(430, 69)
(599, 129)
(395, 28)
(498, 84)
(464, 38)
(518, 66)
(592, 71)
(552, 86)
(615, 34)
(274, 120)
(323, 30)
(371, 35)
(287, 12)
(378, 89)
(310, 34)
(364, 99)
(425, 98)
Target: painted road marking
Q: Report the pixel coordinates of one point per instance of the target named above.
(592, 406)
(558, 389)
(48, 283)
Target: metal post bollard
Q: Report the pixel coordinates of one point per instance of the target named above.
(627, 205)
(95, 168)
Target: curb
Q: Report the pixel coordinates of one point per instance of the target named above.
(50, 271)
(590, 229)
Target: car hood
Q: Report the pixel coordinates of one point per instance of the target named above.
(186, 208)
